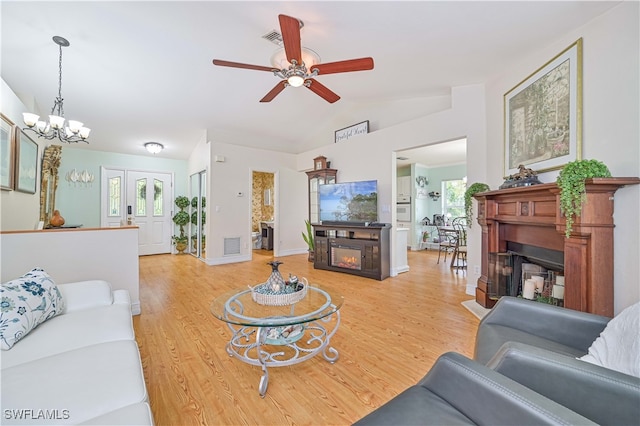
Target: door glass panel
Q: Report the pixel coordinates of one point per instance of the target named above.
(141, 197)
(115, 193)
(157, 198)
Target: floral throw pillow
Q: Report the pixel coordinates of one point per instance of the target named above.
(25, 303)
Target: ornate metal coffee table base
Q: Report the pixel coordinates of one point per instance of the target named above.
(253, 345)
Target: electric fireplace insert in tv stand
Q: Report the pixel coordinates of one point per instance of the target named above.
(353, 249)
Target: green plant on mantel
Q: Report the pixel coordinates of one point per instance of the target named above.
(571, 182)
(468, 199)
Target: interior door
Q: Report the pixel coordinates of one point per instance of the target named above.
(149, 201)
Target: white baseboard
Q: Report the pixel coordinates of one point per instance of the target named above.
(135, 308)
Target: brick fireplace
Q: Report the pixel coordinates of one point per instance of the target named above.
(531, 216)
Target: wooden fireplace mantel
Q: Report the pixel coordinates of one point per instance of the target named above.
(531, 215)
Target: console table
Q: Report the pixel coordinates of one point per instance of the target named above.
(353, 249)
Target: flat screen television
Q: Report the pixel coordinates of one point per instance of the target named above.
(349, 201)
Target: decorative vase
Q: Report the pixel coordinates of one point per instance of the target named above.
(56, 220)
(275, 282)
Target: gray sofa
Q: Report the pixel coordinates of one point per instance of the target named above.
(525, 371)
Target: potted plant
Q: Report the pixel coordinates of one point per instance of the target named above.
(468, 199)
(571, 182)
(308, 238)
(181, 219)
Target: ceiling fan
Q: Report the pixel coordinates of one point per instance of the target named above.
(297, 73)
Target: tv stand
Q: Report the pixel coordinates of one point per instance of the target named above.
(353, 249)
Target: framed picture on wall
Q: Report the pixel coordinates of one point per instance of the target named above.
(543, 115)
(7, 151)
(26, 163)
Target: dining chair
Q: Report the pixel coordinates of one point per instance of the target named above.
(460, 255)
(447, 241)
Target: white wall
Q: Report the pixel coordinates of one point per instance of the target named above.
(610, 124)
(25, 208)
(372, 156)
(230, 213)
(72, 255)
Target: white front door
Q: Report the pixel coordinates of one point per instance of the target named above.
(142, 199)
(149, 200)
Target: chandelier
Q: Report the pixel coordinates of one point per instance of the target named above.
(74, 131)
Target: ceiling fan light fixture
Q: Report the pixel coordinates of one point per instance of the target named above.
(279, 58)
(295, 81)
(154, 147)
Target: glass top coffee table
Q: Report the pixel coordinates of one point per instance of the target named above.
(275, 336)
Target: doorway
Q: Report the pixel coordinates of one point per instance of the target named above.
(262, 210)
(143, 199)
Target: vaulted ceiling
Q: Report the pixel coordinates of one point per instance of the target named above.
(142, 71)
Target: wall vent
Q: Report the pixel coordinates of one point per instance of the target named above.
(231, 246)
(274, 37)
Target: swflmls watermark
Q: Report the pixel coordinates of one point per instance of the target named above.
(36, 414)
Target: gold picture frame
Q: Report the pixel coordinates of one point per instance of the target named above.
(543, 115)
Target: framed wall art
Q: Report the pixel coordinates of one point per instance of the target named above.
(7, 152)
(543, 115)
(26, 163)
(351, 131)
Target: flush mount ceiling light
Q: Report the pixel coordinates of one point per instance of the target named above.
(55, 128)
(154, 147)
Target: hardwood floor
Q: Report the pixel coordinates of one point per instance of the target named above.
(391, 333)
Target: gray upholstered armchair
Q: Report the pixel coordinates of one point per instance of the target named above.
(459, 391)
(537, 345)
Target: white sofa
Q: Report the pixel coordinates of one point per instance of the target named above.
(81, 366)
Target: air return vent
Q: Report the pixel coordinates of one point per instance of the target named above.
(274, 37)
(231, 246)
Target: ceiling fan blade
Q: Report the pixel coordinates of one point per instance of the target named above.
(274, 92)
(362, 64)
(322, 91)
(222, 63)
(290, 28)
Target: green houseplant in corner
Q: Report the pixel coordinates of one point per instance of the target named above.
(571, 182)
(181, 219)
(468, 199)
(308, 238)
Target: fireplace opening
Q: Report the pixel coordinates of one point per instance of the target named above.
(527, 271)
(346, 257)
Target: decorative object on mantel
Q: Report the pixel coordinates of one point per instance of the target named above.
(543, 115)
(278, 292)
(83, 178)
(351, 131)
(55, 128)
(468, 202)
(56, 220)
(525, 177)
(435, 195)
(422, 181)
(571, 182)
